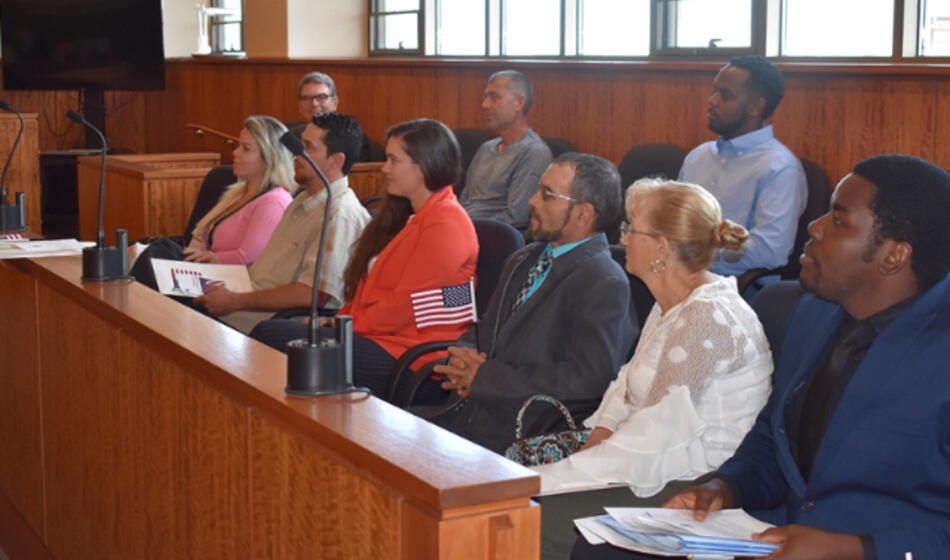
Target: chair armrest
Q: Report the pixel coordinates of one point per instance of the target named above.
(292, 312)
(401, 367)
(748, 277)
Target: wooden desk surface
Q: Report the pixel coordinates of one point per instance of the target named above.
(447, 486)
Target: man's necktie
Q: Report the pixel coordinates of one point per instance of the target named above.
(539, 268)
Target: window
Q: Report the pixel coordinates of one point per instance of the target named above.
(227, 30)
(395, 26)
(662, 28)
(934, 28)
(838, 28)
(613, 28)
(699, 25)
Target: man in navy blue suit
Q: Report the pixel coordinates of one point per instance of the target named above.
(851, 457)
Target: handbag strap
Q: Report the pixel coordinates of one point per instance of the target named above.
(519, 421)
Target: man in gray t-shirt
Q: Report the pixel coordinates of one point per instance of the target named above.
(505, 171)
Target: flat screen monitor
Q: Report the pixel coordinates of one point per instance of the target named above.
(82, 44)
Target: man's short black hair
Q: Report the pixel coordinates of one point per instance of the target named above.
(597, 182)
(912, 204)
(764, 78)
(343, 135)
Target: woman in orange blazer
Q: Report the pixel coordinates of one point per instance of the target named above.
(421, 239)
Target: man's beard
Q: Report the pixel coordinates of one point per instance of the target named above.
(547, 235)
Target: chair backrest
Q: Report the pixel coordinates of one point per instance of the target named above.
(469, 140)
(558, 146)
(211, 189)
(818, 203)
(640, 297)
(648, 160)
(496, 241)
(773, 304)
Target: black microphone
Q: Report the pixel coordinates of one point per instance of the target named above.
(316, 366)
(102, 263)
(12, 216)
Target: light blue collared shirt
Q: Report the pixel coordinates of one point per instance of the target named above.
(761, 185)
(555, 252)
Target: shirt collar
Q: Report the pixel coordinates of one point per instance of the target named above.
(741, 144)
(312, 202)
(556, 252)
(880, 320)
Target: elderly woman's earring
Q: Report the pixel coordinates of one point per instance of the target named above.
(658, 266)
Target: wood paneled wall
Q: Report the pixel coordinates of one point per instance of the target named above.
(834, 115)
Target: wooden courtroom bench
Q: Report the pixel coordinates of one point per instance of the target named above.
(148, 194)
(133, 427)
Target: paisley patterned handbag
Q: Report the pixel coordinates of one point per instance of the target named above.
(546, 448)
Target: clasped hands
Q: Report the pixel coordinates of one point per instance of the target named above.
(795, 541)
(461, 369)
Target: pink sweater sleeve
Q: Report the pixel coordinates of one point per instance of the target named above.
(241, 237)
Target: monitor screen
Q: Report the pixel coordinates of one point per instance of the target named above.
(82, 44)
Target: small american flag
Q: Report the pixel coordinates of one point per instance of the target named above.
(449, 305)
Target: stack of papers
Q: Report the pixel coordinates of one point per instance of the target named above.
(674, 532)
(26, 249)
(188, 279)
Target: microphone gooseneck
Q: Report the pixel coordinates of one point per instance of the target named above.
(292, 143)
(3, 180)
(76, 117)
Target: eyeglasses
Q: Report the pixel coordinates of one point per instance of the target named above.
(547, 194)
(320, 97)
(626, 228)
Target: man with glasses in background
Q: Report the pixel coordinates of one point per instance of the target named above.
(316, 95)
(559, 323)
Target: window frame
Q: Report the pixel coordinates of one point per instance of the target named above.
(661, 21)
(214, 32)
(766, 28)
(380, 16)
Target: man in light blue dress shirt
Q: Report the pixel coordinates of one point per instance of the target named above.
(758, 181)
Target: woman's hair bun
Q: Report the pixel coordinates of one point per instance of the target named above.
(729, 235)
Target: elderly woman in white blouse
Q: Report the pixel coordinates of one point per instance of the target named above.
(702, 368)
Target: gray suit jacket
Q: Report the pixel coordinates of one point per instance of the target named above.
(568, 340)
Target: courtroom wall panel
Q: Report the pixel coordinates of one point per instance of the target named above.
(832, 114)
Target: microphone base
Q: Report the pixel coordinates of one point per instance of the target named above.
(324, 369)
(13, 216)
(107, 264)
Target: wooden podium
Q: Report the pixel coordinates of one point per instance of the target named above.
(24, 173)
(145, 194)
(135, 427)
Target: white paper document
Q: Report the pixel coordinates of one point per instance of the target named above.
(188, 279)
(674, 532)
(25, 249)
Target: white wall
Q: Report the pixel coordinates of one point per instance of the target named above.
(326, 28)
(181, 27)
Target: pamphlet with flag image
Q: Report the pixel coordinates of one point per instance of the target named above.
(448, 305)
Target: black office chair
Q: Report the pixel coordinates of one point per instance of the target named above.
(469, 140)
(496, 241)
(817, 204)
(773, 304)
(647, 160)
(212, 187)
(558, 146)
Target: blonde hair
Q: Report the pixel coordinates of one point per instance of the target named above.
(688, 216)
(278, 161)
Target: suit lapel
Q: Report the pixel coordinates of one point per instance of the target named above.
(876, 379)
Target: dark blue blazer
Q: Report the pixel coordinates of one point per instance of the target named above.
(883, 467)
